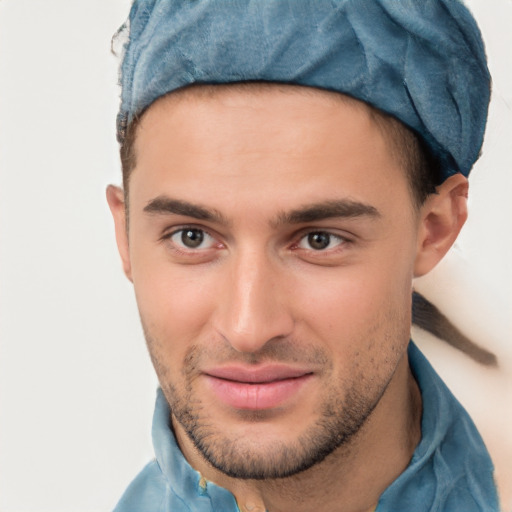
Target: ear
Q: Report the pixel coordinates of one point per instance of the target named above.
(115, 200)
(441, 219)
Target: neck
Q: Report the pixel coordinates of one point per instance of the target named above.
(354, 476)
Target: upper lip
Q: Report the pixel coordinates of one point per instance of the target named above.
(260, 374)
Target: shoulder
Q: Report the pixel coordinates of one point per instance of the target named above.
(150, 491)
(147, 491)
(450, 469)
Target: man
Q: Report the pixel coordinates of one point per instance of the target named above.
(289, 167)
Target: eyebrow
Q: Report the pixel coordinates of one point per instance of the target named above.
(344, 208)
(167, 206)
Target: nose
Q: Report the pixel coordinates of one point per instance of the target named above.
(253, 306)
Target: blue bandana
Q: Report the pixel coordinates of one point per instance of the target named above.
(422, 61)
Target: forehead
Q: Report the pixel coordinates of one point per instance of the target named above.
(288, 108)
(255, 138)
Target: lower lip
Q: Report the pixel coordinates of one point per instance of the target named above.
(259, 396)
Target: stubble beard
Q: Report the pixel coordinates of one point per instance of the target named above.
(340, 417)
(238, 458)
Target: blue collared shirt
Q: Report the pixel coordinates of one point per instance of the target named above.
(450, 470)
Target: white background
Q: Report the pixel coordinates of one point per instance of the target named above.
(76, 385)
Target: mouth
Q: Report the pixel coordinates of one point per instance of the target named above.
(260, 388)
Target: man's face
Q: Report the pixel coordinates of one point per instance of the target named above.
(272, 241)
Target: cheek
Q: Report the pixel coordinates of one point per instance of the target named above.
(361, 302)
(174, 306)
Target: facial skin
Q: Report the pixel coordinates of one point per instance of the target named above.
(272, 243)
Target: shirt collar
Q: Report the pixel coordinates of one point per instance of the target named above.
(185, 481)
(444, 423)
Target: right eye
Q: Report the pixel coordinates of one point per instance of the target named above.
(192, 239)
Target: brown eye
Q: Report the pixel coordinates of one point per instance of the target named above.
(319, 240)
(192, 238)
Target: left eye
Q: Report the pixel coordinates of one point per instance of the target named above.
(320, 241)
(192, 238)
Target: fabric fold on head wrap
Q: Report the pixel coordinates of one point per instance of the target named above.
(421, 61)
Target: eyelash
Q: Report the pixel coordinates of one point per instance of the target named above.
(187, 250)
(340, 240)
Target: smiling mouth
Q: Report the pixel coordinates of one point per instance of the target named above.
(257, 389)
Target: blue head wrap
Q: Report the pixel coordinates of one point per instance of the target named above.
(422, 61)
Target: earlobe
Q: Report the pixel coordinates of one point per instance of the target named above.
(441, 219)
(116, 203)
